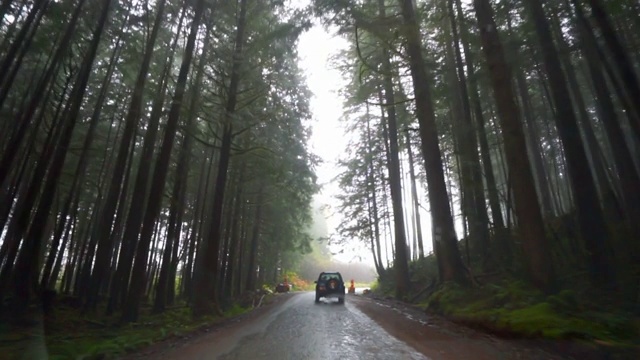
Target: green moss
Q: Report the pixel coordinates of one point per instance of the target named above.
(514, 308)
(382, 287)
(565, 300)
(235, 310)
(536, 320)
(70, 335)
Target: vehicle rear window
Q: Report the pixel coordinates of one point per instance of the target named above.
(327, 277)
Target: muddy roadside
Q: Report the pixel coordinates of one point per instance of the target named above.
(185, 340)
(437, 336)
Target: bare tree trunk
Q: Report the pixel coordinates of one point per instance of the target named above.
(534, 241)
(176, 208)
(187, 275)
(255, 236)
(136, 288)
(629, 179)
(27, 264)
(593, 150)
(590, 216)
(53, 278)
(400, 264)
(444, 233)
(120, 279)
(494, 201)
(479, 223)
(234, 235)
(103, 233)
(622, 61)
(416, 200)
(82, 164)
(12, 59)
(11, 149)
(206, 275)
(375, 241)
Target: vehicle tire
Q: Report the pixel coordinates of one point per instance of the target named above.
(317, 298)
(341, 300)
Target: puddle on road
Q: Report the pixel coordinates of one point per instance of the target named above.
(406, 315)
(371, 341)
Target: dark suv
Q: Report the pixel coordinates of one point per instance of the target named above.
(330, 285)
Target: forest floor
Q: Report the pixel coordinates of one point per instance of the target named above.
(509, 309)
(68, 335)
(505, 306)
(484, 331)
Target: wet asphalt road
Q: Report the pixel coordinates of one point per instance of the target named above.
(301, 329)
(294, 327)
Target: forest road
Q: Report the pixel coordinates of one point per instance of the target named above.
(362, 328)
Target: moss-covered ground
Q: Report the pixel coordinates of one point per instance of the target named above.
(509, 307)
(68, 335)
(512, 308)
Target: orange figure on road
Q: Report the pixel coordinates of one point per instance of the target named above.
(352, 288)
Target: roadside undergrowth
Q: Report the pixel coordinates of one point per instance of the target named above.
(68, 335)
(513, 309)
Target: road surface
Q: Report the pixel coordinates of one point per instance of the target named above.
(362, 328)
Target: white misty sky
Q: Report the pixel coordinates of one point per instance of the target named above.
(328, 140)
(315, 48)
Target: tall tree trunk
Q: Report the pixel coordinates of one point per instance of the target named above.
(206, 276)
(479, 223)
(372, 235)
(237, 231)
(12, 59)
(82, 162)
(120, 280)
(534, 242)
(534, 145)
(401, 263)
(629, 179)
(590, 216)
(444, 233)
(27, 265)
(250, 284)
(176, 208)
(414, 195)
(485, 153)
(11, 149)
(592, 147)
(28, 192)
(187, 282)
(242, 249)
(234, 235)
(621, 58)
(136, 288)
(105, 240)
(374, 199)
(53, 278)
